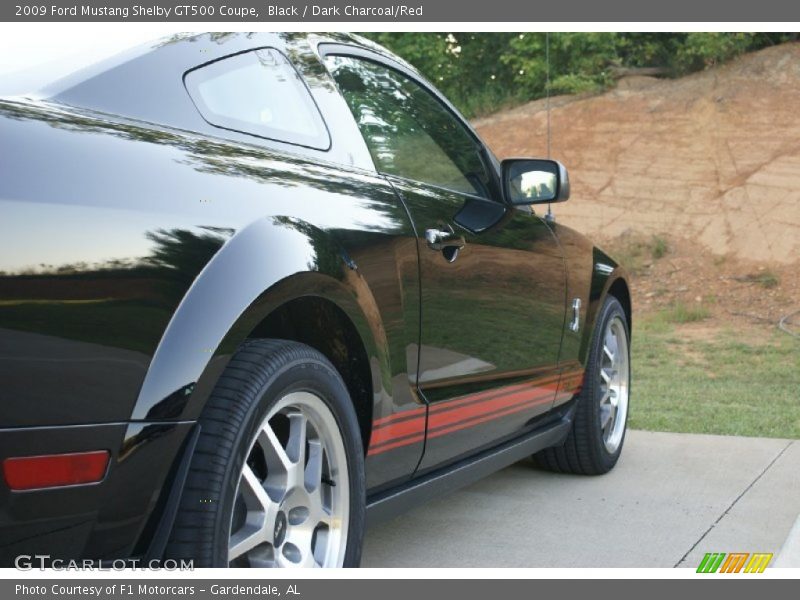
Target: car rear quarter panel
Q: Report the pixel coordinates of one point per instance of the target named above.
(135, 259)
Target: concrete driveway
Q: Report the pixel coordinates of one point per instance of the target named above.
(671, 498)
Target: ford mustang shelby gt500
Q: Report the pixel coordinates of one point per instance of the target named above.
(259, 290)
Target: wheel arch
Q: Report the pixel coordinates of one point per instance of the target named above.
(620, 290)
(320, 321)
(243, 294)
(608, 278)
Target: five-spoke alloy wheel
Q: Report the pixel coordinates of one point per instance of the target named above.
(277, 476)
(291, 506)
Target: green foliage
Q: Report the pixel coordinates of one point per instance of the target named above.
(700, 50)
(482, 102)
(636, 252)
(575, 83)
(768, 280)
(484, 72)
(682, 313)
(464, 66)
(578, 61)
(659, 248)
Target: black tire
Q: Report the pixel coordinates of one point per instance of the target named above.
(260, 373)
(584, 451)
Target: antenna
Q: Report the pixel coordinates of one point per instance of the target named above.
(549, 217)
(547, 86)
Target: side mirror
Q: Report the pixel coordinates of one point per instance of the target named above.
(534, 181)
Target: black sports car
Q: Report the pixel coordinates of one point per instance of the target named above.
(258, 290)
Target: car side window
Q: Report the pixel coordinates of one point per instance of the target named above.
(408, 131)
(259, 93)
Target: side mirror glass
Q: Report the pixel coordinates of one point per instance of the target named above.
(534, 181)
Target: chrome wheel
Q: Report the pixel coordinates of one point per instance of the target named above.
(614, 380)
(292, 501)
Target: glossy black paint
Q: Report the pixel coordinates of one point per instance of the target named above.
(491, 318)
(434, 483)
(99, 520)
(139, 246)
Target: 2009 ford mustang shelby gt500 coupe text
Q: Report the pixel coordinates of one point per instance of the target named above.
(259, 290)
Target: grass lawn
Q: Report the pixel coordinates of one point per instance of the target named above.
(714, 381)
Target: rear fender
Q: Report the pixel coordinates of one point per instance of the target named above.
(269, 262)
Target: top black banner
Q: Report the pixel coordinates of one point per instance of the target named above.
(401, 11)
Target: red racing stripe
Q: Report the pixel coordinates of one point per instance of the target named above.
(467, 413)
(403, 414)
(450, 404)
(405, 442)
(396, 430)
(488, 407)
(408, 427)
(443, 406)
(415, 412)
(485, 418)
(477, 420)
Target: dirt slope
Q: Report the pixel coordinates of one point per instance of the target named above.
(713, 157)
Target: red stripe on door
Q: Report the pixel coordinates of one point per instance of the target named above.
(408, 427)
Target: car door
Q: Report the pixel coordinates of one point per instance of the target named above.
(492, 276)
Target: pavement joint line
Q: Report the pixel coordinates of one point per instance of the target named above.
(739, 497)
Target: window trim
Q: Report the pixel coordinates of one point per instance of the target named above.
(326, 49)
(325, 140)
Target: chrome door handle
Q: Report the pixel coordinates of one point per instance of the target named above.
(440, 240)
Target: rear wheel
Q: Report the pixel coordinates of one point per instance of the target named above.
(595, 441)
(277, 479)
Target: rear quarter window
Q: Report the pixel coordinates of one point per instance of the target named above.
(258, 93)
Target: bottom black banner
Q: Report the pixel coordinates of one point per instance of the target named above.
(386, 589)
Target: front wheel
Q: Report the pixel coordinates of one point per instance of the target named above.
(595, 440)
(277, 478)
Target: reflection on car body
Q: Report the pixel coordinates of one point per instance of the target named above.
(164, 214)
